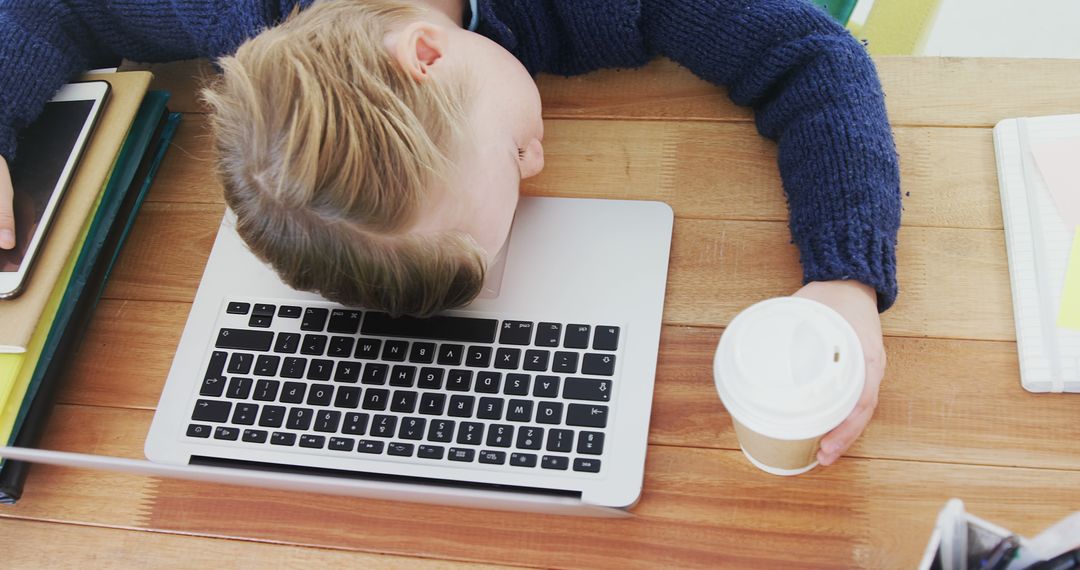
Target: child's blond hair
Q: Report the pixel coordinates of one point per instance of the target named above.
(327, 149)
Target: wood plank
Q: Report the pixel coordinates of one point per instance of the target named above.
(963, 92)
(78, 546)
(954, 283)
(703, 170)
(942, 400)
(700, 508)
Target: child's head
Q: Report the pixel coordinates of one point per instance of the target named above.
(372, 152)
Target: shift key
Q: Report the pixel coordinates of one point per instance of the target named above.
(241, 339)
(587, 389)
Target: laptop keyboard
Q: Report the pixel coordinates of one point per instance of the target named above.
(498, 394)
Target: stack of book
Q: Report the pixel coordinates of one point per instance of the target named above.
(41, 328)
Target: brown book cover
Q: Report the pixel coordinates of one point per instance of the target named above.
(20, 315)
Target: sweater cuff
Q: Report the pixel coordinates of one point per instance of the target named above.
(860, 253)
(7, 143)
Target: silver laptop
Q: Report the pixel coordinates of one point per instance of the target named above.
(536, 396)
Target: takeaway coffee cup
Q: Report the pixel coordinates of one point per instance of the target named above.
(788, 370)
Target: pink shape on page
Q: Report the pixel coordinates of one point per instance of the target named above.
(1059, 163)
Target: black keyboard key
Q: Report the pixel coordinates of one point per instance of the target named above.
(370, 446)
(536, 360)
(294, 367)
(213, 387)
(263, 310)
(293, 392)
(240, 363)
(587, 415)
(260, 322)
(493, 457)
(459, 329)
(245, 414)
(516, 332)
(548, 334)
(402, 375)
(530, 437)
(343, 321)
(546, 387)
(459, 380)
(272, 416)
(587, 389)
(266, 390)
(383, 425)
(348, 397)
(237, 308)
(507, 358)
(300, 418)
(461, 454)
(587, 465)
(376, 399)
(239, 388)
(229, 433)
(430, 451)
(347, 371)
(519, 411)
(590, 443)
(368, 348)
(320, 395)
(355, 424)
(216, 368)
(461, 406)
(431, 378)
(598, 364)
(404, 401)
(422, 352)
(400, 449)
(287, 343)
(451, 354)
(341, 443)
(490, 409)
(374, 373)
(198, 430)
(470, 433)
(606, 338)
(549, 412)
(255, 436)
(412, 428)
(340, 347)
(289, 312)
(313, 344)
(558, 462)
(267, 365)
(560, 440)
(242, 339)
(395, 350)
(577, 336)
(565, 362)
(488, 382)
(441, 431)
(432, 404)
(523, 459)
(327, 421)
(314, 319)
(516, 385)
(282, 438)
(312, 441)
(500, 435)
(478, 356)
(320, 369)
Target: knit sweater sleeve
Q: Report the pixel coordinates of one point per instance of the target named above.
(816, 93)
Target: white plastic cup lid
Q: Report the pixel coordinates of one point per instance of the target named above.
(789, 368)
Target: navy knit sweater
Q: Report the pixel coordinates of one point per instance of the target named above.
(812, 86)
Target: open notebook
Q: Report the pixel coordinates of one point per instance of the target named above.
(1038, 242)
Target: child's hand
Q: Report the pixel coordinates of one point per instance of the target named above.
(7, 210)
(858, 304)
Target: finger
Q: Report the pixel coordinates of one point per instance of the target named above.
(836, 442)
(7, 211)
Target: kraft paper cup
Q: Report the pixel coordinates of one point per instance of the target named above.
(788, 370)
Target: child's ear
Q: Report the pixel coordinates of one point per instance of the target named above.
(417, 48)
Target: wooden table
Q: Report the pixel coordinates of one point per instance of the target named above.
(953, 420)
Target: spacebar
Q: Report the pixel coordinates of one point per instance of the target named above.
(462, 329)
